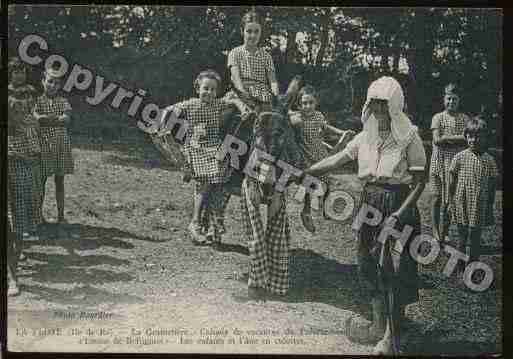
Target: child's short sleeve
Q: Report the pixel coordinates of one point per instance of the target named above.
(435, 122)
(233, 58)
(416, 154)
(323, 121)
(184, 105)
(353, 146)
(269, 65)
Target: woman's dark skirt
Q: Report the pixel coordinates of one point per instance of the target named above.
(388, 199)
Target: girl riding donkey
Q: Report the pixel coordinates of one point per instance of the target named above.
(311, 125)
(203, 115)
(254, 85)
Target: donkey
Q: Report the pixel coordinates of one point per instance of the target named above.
(272, 138)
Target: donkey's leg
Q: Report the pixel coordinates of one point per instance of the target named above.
(306, 214)
(224, 198)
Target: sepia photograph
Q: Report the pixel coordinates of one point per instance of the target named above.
(254, 180)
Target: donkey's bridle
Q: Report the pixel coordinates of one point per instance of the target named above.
(263, 147)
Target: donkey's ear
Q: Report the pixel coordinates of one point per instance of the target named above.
(295, 85)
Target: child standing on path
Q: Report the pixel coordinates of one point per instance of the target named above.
(473, 174)
(311, 125)
(21, 98)
(54, 115)
(22, 152)
(448, 140)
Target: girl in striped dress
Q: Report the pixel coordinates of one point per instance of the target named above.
(21, 102)
(311, 125)
(203, 115)
(473, 174)
(54, 115)
(447, 127)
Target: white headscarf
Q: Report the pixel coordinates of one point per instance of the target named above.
(402, 130)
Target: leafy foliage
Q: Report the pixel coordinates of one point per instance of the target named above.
(339, 50)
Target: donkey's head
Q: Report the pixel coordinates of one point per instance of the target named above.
(274, 133)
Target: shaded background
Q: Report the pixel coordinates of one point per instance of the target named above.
(339, 50)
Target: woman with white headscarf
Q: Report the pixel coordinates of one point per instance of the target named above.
(391, 165)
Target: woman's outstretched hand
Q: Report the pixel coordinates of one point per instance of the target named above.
(392, 219)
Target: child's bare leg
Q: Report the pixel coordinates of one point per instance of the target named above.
(435, 215)
(42, 196)
(445, 223)
(225, 196)
(213, 209)
(463, 234)
(306, 215)
(323, 203)
(197, 209)
(59, 196)
(197, 214)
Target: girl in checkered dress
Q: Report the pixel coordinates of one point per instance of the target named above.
(21, 102)
(203, 114)
(22, 152)
(448, 140)
(53, 113)
(253, 80)
(473, 174)
(251, 68)
(311, 125)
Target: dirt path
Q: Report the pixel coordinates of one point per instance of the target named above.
(126, 252)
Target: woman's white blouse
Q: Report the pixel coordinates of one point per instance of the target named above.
(389, 164)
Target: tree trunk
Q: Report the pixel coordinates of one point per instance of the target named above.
(420, 62)
(291, 50)
(324, 41)
(396, 51)
(385, 54)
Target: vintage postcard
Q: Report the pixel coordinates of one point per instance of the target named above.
(266, 179)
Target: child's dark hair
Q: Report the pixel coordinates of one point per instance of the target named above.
(452, 89)
(207, 74)
(307, 90)
(476, 125)
(249, 17)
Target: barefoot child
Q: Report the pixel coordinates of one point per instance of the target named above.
(473, 174)
(311, 125)
(53, 113)
(447, 127)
